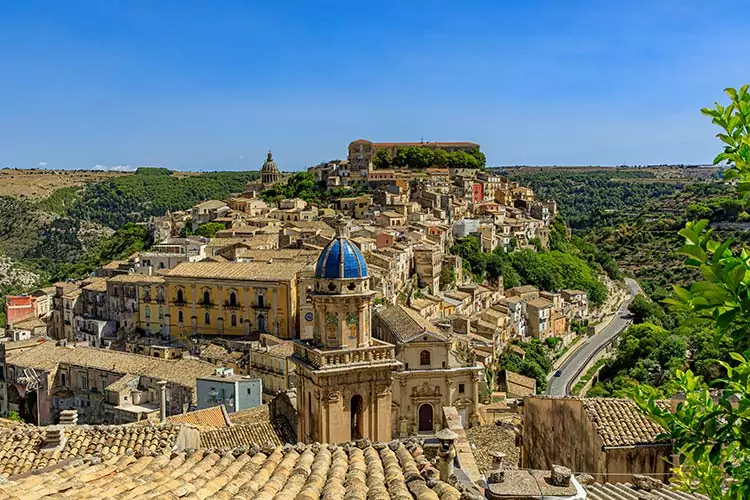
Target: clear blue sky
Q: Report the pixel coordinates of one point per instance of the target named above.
(213, 85)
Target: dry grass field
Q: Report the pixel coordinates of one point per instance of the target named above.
(35, 184)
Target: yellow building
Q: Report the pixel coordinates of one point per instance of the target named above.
(232, 299)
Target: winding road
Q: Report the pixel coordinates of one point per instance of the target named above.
(558, 386)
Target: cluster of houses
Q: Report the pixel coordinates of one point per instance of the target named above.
(354, 317)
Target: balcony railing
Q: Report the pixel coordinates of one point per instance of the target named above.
(323, 358)
(179, 303)
(230, 306)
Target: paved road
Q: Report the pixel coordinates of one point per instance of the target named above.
(557, 386)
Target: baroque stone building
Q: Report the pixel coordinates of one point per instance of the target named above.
(344, 375)
(269, 173)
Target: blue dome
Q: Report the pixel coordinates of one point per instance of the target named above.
(341, 259)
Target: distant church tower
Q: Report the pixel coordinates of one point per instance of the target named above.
(344, 375)
(269, 173)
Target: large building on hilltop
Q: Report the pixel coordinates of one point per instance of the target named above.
(344, 375)
(361, 152)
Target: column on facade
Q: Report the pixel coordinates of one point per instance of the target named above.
(474, 418)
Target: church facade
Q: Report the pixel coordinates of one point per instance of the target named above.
(344, 375)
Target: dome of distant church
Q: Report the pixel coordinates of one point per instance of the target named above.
(341, 259)
(269, 166)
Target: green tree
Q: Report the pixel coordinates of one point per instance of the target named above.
(712, 435)
(643, 310)
(209, 229)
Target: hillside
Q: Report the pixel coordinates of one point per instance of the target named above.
(37, 184)
(80, 226)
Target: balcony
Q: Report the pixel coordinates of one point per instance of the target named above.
(179, 303)
(260, 306)
(230, 306)
(322, 359)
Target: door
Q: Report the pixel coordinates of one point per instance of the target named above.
(425, 418)
(464, 414)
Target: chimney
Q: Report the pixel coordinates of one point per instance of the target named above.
(69, 417)
(497, 459)
(163, 401)
(53, 437)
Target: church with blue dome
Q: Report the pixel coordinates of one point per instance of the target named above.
(344, 375)
(341, 259)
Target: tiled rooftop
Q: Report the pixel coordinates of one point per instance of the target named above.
(619, 422)
(259, 434)
(405, 323)
(48, 356)
(305, 472)
(244, 271)
(626, 491)
(216, 416)
(22, 448)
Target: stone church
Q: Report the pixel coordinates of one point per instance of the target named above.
(344, 375)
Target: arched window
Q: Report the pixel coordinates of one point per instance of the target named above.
(424, 358)
(234, 320)
(207, 318)
(179, 316)
(232, 299)
(180, 296)
(206, 298)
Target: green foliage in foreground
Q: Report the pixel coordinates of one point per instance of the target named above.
(712, 435)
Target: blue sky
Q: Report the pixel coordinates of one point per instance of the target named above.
(213, 85)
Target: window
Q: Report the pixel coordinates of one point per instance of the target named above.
(461, 388)
(148, 313)
(424, 358)
(206, 298)
(180, 296)
(207, 318)
(261, 301)
(179, 316)
(261, 323)
(62, 378)
(161, 313)
(249, 391)
(84, 382)
(232, 299)
(234, 320)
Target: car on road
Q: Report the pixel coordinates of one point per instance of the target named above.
(558, 373)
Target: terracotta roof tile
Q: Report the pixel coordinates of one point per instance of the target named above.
(47, 356)
(619, 422)
(283, 473)
(216, 416)
(23, 449)
(243, 271)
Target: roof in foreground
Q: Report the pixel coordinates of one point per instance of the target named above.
(376, 472)
(619, 422)
(626, 491)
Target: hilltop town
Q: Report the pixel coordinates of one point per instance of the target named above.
(358, 311)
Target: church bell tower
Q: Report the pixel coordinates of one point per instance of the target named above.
(344, 375)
